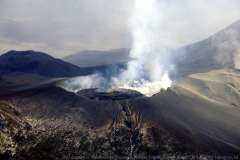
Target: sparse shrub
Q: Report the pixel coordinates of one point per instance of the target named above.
(126, 133)
(128, 137)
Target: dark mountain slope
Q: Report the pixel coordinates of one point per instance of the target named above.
(50, 102)
(38, 63)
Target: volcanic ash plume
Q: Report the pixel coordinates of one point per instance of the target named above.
(147, 72)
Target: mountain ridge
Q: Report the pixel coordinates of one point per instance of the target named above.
(219, 50)
(37, 63)
(99, 58)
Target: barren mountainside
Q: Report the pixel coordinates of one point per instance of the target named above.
(202, 109)
(197, 115)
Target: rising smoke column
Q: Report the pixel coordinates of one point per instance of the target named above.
(147, 72)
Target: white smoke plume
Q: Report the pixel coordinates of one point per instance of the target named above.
(147, 73)
(83, 82)
(157, 25)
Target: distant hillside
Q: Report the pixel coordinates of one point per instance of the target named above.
(99, 58)
(41, 64)
(38, 63)
(218, 51)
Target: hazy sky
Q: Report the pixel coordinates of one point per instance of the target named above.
(63, 27)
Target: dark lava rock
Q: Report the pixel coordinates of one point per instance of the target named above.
(120, 94)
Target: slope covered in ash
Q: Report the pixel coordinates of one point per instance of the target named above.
(205, 108)
(201, 112)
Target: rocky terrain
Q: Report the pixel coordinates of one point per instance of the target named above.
(118, 94)
(197, 117)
